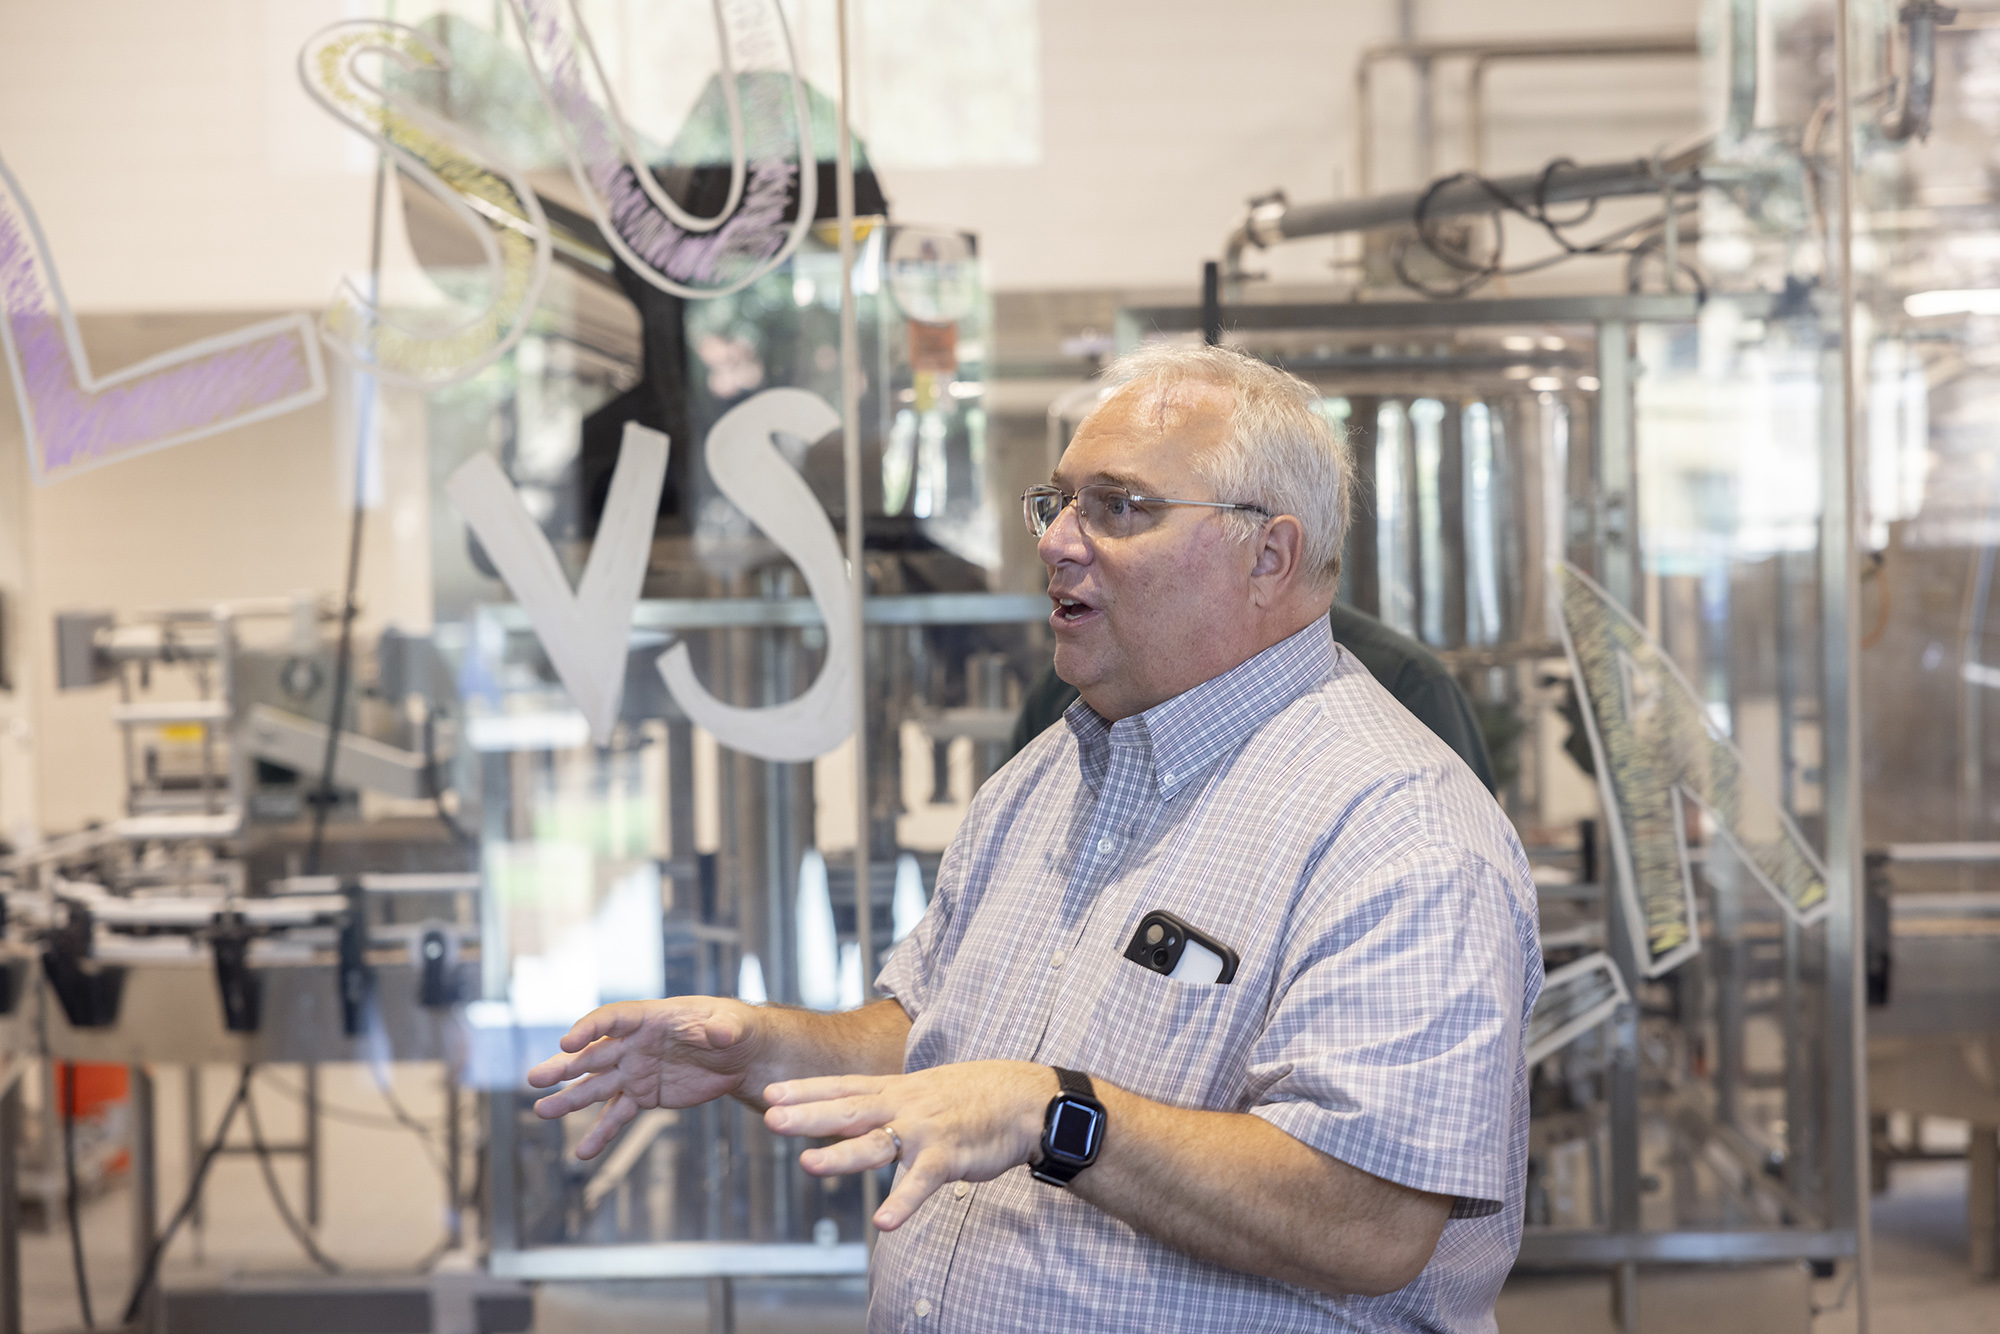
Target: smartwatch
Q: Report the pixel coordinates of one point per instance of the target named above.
(1072, 1132)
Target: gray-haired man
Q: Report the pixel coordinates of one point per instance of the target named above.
(1329, 1127)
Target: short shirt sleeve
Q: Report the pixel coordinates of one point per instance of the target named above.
(910, 971)
(1394, 1043)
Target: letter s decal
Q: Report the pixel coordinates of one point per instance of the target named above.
(494, 203)
(750, 471)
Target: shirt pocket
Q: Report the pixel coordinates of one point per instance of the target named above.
(1173, 1042)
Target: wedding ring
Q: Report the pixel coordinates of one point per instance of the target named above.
(894, 1139)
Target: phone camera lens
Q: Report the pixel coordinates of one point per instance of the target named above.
(1160, 957)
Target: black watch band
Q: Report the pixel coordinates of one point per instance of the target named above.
(1072, 1130)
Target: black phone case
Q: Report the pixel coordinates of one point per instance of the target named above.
(1162, 956)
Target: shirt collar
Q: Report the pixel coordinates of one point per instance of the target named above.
(1181, 737)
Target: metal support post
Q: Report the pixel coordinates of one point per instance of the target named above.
(1618, 519)
(721, 1304)
(145, 1187)
(1625, 1297)
(503, 1169)
(10, 1200)
(1618, 553)
(454, 1156)
(311, 1145)
(1840, 594)
(191, 1105)
(1982, 1200)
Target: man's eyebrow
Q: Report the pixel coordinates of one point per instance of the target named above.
(1123, 480)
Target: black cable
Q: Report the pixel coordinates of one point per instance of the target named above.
(452, 826)
(67, 1092)
(410, 1123)
(334, 1112)
(323, 797)
(292, 1224)
(1477, 273)
(149, 1272)
(399, 1118)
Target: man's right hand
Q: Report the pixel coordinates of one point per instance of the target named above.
(636, 1055)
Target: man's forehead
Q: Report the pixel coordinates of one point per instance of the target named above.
(1147, 425)
(1172, 407)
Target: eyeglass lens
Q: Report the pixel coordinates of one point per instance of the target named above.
(1106, 511)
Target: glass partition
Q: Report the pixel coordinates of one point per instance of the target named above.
(672, 859)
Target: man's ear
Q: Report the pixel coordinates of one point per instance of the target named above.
(1280, 555)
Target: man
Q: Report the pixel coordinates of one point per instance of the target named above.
(1326, 1127)
(1409, 671)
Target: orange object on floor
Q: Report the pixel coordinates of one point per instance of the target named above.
(95, 1091)
(87, 1087)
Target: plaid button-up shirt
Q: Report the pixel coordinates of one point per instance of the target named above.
(1385, 921)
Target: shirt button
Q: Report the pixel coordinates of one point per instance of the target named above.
(960, 1191)
(923, 1307)
(1166, 778)
(1056, 959)
(1104, 845)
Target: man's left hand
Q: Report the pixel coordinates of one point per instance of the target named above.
(966, 1122)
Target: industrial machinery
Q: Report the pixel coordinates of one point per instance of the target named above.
(416, 848)
(1688, 446)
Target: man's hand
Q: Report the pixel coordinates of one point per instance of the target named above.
(965, 1122)
(641, 1054)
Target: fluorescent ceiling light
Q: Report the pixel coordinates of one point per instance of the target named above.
(1965, 301)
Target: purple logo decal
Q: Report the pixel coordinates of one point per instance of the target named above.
(690, 256)
(75, 420)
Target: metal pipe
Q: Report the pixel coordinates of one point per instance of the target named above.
(1428, 53)
(1840, 584)
(1599, 48)
(850, 424)
(1274, 220)
(1911, 117)
(1741, 117)
(11, 1126)
(1424, 128)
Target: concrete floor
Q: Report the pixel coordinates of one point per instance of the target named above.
(384, 1210)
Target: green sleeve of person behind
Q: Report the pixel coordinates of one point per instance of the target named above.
(1409, 671)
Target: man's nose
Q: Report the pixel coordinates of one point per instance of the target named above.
(1063, 539)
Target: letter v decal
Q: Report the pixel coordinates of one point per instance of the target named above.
(586, 632)
(74, 420)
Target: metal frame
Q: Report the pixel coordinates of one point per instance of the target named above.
(751, 642)
(1622, 1246)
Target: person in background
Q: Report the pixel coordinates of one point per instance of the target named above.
(1217, 1018)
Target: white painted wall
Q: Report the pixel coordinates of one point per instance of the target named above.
(17, 769)
(258, 512)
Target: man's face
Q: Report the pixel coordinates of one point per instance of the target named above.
(1141, 618)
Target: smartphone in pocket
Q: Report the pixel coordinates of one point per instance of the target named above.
(1169, 946)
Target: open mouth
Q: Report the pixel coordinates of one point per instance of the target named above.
(1070, 611)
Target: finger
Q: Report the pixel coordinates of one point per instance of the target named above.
(598, 1057)
(841, 1116)
(821, 1088)
(617, 1114)
(926, 1173)
(617, 1020)
(581, 1094)
(859, 1154)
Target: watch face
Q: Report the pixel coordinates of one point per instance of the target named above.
(1073, 1135)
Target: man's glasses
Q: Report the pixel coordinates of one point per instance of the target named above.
(1105, 511)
